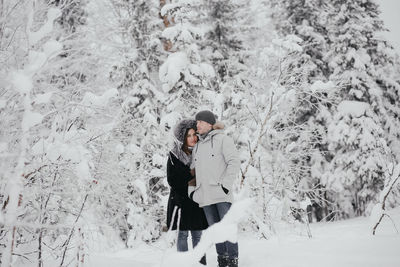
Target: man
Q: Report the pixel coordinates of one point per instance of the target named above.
(216, 164)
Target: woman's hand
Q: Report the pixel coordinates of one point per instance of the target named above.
(192, 182)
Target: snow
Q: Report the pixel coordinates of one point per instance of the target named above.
(286, 100)
(291, 43)
(36, 61)
(3, 103)
(290, 147)
(157, 172)
(142, 188)
(134, 149)
(376, 213)
(177, 64)
(320, 86)
(360, 57)
(179, 32)
(22, 83)
(170, 71)
(340, 244)
(92, 99)
(305, 203)
(30, 119)
(43, 98)
(392, 179)
(46, 29)
(82, 170)
(39, 147)
(207, 70)
(68, 150)
(119, 148)
(170, 120)
(151, 119)
(3, 147)
(158, 160)
(52, 47)
(353, 108)
(168, 7)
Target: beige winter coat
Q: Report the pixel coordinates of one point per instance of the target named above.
(216, 163)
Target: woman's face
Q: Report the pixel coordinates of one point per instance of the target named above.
(191, 138)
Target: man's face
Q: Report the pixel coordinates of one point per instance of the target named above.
(203, 127)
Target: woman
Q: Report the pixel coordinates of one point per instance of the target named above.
(180, 208)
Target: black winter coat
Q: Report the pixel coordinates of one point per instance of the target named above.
(192, 216)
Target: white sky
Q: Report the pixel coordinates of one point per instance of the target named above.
(391, 17)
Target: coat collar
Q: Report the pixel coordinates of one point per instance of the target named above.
(210, 134)
(180, 154)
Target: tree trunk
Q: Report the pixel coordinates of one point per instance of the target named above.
(167, 43)
(40, 260)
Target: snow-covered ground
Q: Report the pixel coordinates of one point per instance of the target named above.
(339, 244)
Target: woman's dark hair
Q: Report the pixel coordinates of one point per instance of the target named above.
(185, 146)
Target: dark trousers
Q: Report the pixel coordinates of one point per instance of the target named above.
(214, 213)
(182, 242)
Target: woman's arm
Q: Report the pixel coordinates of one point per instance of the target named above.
(177, 178)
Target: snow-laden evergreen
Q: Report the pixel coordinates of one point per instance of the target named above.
(306, 74)
(337, 58)
(358, 134)
(185, 73)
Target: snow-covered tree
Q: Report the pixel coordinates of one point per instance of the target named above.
(360, 134)
(306, 72)
(224, 41)
(185, 75)
(23, 166)
(226, 44)
(136, 147)
(68, 100)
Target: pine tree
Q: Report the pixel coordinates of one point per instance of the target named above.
(136, 131)
(360, 132)
(307, 73)
(185, 73)
(226, 45)
(224, 42)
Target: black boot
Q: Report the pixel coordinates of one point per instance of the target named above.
(223, 261)
(232, 262)
(203, 260)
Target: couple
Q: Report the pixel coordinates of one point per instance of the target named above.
(210, 163)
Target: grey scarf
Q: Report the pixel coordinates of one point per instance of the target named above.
(180, 154)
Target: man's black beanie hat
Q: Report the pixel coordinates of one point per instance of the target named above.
(206, 116)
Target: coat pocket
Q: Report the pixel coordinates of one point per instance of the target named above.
(216, 192)
(214, 182)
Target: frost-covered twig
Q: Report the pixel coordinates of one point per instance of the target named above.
(394, 178)
(261, 134)
(66, 243)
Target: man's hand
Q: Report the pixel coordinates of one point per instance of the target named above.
(226, 191)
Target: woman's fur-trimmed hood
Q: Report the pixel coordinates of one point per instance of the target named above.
(179, 134)
(181, 127)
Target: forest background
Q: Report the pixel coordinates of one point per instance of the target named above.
(90, 90)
